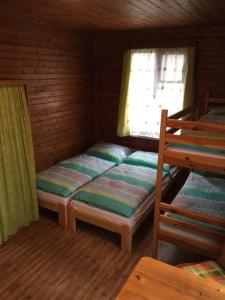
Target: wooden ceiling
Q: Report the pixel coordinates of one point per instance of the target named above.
(115, 14)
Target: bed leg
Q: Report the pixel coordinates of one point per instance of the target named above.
(155, 248)
(71, 219)
(126, 240)
(62, 216)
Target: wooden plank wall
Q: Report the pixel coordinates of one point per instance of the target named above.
(109, 50)
(58, 68)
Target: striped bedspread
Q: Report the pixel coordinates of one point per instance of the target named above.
(120, 190)
(210, 118)
(204, 134)
(203, 193)
(69, 175)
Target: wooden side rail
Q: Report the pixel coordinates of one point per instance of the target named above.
(210, 101)
(186, 114)
(199, 160)
(192, 214)
(195, 141)
(195, 228)
(192, 158)
(195, 126)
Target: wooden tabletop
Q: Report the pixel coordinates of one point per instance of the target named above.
(152, 279)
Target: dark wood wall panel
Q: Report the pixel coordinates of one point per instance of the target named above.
(58, 68)
(109, 49)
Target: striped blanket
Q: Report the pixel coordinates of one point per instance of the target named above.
(69, 175)
(203, 193)
(120, 190)
(204, 134)
(214, 118)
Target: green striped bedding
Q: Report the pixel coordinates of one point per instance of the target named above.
(69, 175)
(203, 193)
(120, 190)
(204, 134)
(146, 159)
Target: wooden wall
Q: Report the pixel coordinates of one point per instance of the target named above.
(109, 50)
(58, 68)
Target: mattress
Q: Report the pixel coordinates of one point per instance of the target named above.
(203, 193)
(145, 207)
(121, 190)
(70, 175)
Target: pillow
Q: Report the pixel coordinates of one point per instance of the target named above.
(111, 152)
(146, 159)
(218, 111)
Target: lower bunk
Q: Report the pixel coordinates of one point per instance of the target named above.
(120, 199)
(196, 217)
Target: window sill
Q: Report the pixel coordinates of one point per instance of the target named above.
(141, 137)
(144, 137)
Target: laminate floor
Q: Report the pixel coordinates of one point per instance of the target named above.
(44, 262)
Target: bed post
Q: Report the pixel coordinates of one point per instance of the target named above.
(62, 215)
(71, 221)
(126, 239)
(159, 183)
(206, 104)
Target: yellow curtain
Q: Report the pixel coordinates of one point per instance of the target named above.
(18, 199)
(123, 124)
(189, 92)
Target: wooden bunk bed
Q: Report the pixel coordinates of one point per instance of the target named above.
(192, 236)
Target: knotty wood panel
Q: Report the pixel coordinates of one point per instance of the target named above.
(58, 68)
(109, 49)
(116, 14)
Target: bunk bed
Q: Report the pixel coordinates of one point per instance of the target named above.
(200, 145)
(56, 185)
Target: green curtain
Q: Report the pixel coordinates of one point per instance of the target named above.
(123, 125)
(189, 91)
(18, 198)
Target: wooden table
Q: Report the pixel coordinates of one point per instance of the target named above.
(152, 279)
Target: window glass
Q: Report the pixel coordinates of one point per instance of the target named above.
(157, 81)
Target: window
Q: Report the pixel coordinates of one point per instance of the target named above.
(156, 82)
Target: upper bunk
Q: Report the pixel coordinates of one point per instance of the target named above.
(200, 144)
(196, 143)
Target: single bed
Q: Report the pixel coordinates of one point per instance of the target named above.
(57, 184)
(120, 199)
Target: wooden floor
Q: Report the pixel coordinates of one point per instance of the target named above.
(44, 262)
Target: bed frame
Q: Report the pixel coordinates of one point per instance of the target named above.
(95, 217)
(193, 237)
(54, 203)
(211, 101)
(125, 230)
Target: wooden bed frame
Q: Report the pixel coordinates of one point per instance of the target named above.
(211, 101)
(193, 237)
(60, 207)
(126, 232)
